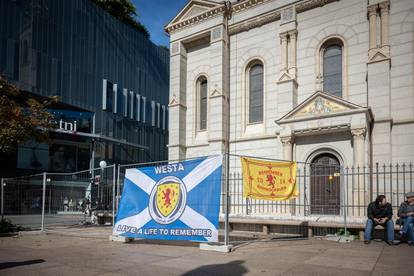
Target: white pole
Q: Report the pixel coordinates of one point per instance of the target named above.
(43, 201)
(227, 202)
(344, 199)
(2, 198)
(118, 188)
(227, 15)
(113, 194)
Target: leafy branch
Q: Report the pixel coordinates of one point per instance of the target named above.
(22, 117)
(125, 11)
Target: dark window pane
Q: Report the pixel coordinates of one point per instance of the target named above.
(256, 93)
(109, 96)
(203, 104)
(332, 70)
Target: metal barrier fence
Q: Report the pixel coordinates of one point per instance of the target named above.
(59, 199)
(327, 192)
(21, 200)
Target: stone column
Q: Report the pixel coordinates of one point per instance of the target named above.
(384, 8)
(358, 138)
(385, 43)
(287, 143)
(284, 53)
(360, 191)
(372, 15)
(292, 65)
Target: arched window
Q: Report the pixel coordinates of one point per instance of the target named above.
(202, 103)
(332, 52)
(255, 92)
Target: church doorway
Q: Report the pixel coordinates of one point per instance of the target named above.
(325, 185)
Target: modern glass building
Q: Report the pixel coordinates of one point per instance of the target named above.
(112, 84)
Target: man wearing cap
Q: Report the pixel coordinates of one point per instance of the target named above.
(406, 214)
(379, 213)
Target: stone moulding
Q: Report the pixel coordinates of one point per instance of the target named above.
(311, 4)
(257, 21)
(254, 22)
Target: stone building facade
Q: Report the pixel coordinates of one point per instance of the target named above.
(333, 78)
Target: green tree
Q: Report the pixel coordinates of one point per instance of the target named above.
(125, 11)
(22, 117)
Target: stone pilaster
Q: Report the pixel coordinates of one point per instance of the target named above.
(177, 102)
(287, 85)
(292, 50)
(218, 90)
(378, 50)
(359, 192)
(372, 17)
(287, 144)
(358, 139)
(379, 83)
(284, 52)
(385, 43)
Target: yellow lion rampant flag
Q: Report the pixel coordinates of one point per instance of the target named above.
(269, 180)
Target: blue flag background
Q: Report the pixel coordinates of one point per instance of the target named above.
(179, 201)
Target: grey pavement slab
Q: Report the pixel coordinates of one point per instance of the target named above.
(53, 254)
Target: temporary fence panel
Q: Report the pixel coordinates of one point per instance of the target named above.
(327, 191)
(22, 201)
(76, 198)
(59, 199)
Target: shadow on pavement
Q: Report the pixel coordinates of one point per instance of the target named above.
(14, 264)
(231, 268)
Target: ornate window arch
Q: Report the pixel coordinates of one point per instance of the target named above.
(201, 102)
(332, 66)
(255, 91)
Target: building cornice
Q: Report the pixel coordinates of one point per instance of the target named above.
(311, 4)
(256, 21)
(195, 19)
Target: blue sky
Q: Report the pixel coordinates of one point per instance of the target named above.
(155, 14)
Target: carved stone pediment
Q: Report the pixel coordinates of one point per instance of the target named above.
(320, 104)
(192, 9)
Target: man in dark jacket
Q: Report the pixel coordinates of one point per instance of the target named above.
(379, 213)
(406, 214)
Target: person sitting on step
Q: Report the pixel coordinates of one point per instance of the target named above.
(406, 215)
(379, 213)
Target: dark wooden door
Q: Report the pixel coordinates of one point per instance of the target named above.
(325, 185)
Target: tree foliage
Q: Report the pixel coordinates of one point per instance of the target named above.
(125, 11)
(22, 117)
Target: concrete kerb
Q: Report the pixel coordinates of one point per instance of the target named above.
(202, 246)
(116, 238)
(216, 247)
(31, 233)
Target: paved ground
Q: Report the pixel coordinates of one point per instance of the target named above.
(53, 254)
(35, 221)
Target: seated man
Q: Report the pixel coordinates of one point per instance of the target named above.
(379, 213)
(406, 214)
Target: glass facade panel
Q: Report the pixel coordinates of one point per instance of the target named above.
(67, 48)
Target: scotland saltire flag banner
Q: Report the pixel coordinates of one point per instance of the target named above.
(179, 201)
